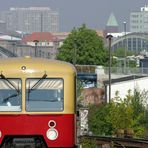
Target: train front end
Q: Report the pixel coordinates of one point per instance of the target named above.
(37, 103)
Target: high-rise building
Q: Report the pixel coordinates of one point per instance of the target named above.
(32, 19)
(139, 20)
(2, 27)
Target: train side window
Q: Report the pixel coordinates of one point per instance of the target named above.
(44, 95)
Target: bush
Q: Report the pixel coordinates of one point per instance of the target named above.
(88, 143)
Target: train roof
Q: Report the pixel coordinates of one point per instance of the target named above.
(36, 64)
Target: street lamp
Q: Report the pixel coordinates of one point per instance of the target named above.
(36, 43)
(125, 46)
(109, 37)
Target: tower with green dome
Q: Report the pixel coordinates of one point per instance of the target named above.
(112, 24)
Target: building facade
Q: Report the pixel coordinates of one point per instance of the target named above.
(139, 20)
(3, 27)
(32, 19)
(40, 44)
(37, 44)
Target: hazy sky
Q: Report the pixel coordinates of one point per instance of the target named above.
(73, 13)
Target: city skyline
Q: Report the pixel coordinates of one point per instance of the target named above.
(94, 13)
(31, 19)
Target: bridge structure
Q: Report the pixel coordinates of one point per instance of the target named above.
(5, 53)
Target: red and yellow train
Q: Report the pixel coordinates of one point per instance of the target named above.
(37, 103)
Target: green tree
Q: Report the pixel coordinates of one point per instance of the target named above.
(83, 46)
(145, 121)
(97, 120)
(120, 52)
(120, 113)
(88, 143)
(119, 116)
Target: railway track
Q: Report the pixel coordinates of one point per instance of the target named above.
(117, 142)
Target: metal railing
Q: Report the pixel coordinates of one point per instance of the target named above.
(114, 70)
(127, 70)
(7, 52)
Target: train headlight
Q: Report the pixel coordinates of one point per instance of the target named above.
(52, 134)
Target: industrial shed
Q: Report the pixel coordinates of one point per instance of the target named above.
(124, 84)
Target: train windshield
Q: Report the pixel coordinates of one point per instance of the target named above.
(10, 95)
(44, 95)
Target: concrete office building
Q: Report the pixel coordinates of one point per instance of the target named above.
(139, 20)
(32, 19)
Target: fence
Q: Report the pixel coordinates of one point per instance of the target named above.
(114, 70)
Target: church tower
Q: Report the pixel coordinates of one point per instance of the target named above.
(112, 25)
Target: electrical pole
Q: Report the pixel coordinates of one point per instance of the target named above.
(109, 37)
(36, 42)
(125, 47)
